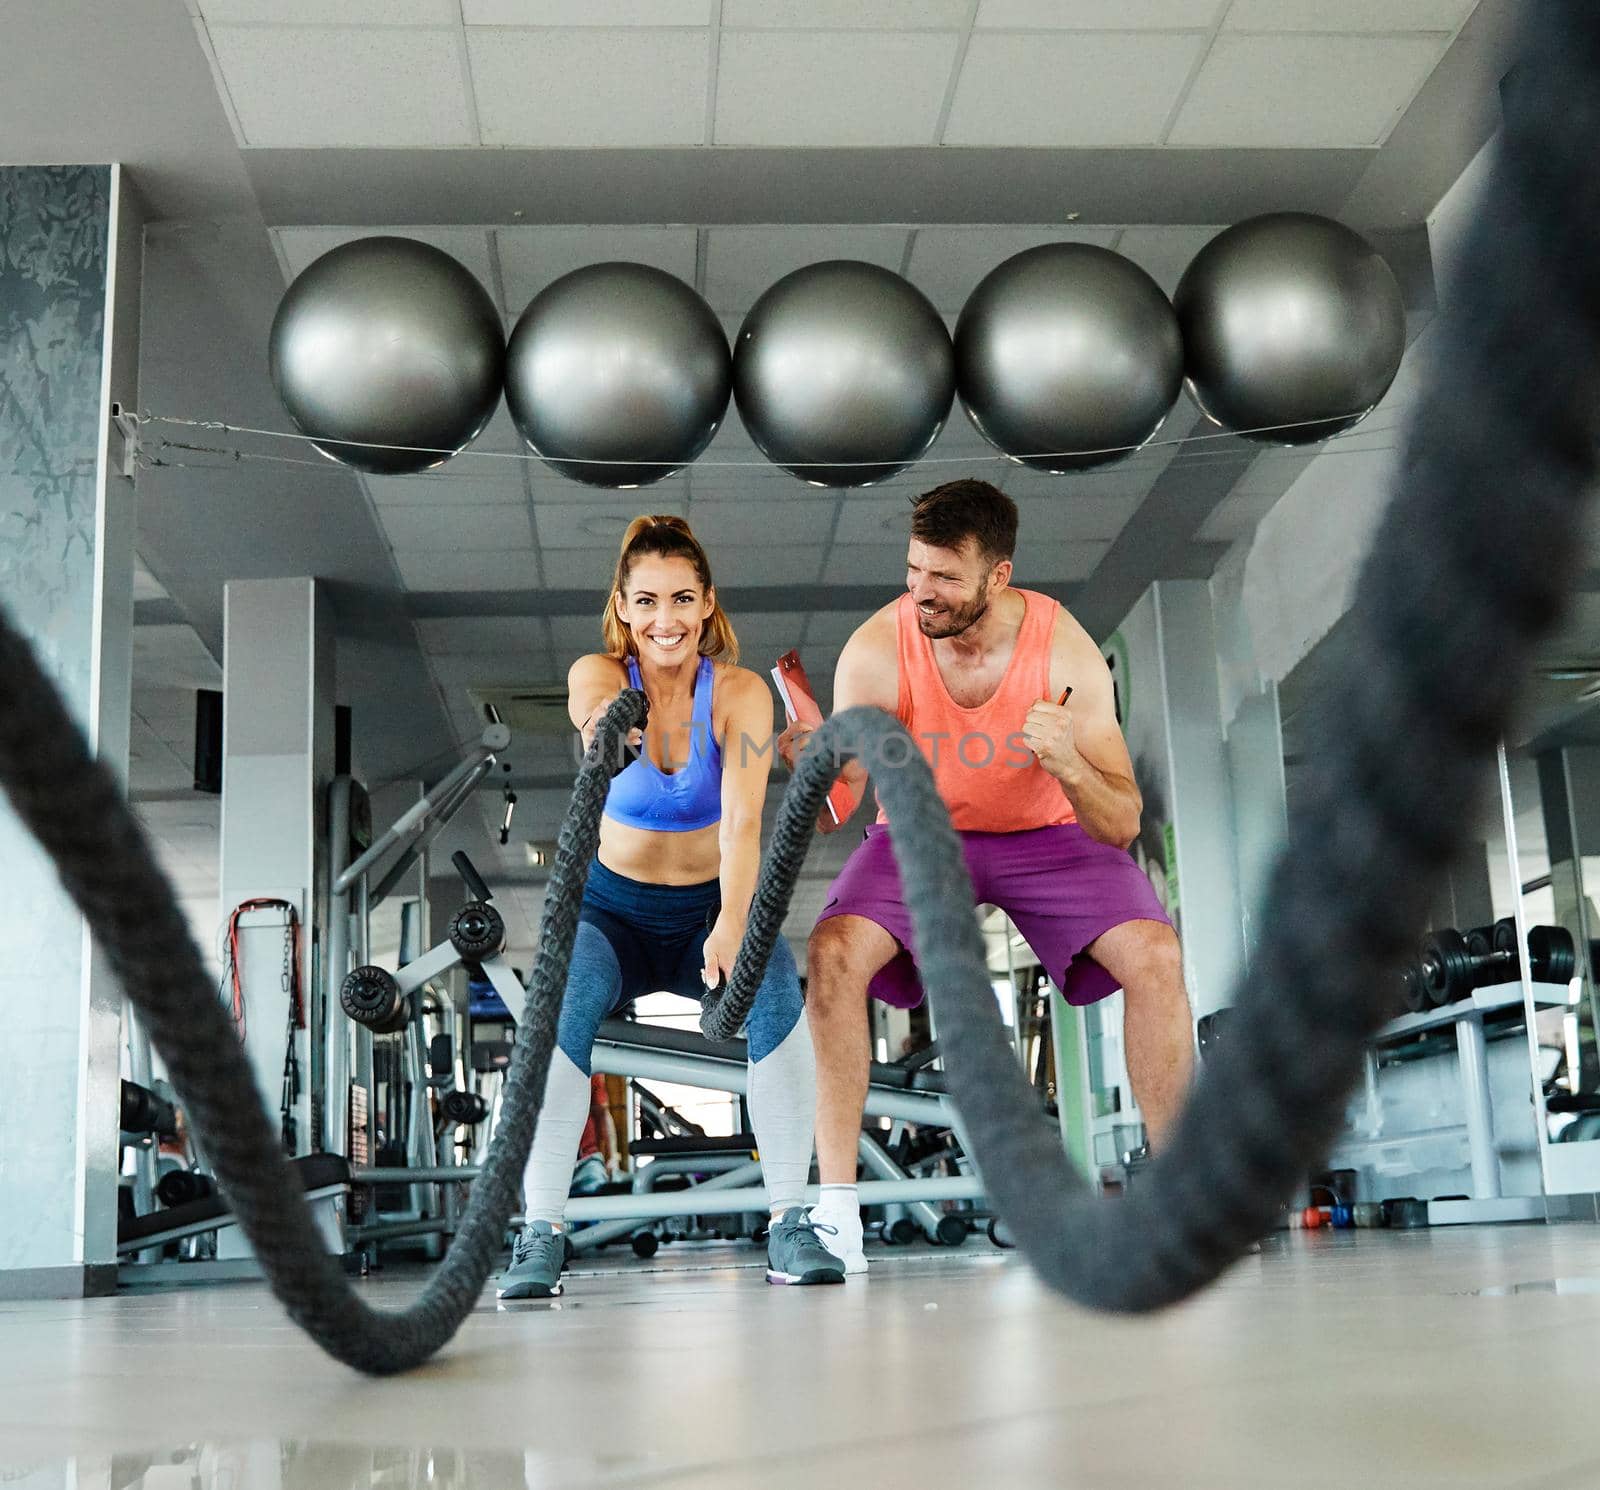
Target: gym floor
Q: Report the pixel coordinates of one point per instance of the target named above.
(1458, 1356)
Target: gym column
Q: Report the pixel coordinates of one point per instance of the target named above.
(71, 240)
(277, 764)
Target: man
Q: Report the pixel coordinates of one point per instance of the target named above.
(1042, 795)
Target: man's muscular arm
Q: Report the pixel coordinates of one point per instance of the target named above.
(1080, 742)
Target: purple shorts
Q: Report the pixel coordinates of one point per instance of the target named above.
(1062, 888)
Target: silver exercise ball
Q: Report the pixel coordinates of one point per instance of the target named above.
(388, 341)
(618, 374)
(1068, 356)
(1293, 328)
(843, 373)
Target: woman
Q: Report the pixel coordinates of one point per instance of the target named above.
(680, 847)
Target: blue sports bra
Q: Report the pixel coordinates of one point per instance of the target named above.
(642, 795)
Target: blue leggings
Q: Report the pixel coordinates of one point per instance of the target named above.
(635, 938)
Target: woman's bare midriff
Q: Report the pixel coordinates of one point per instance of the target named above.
(661, 858)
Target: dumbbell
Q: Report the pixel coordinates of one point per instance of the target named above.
(142, 1111)
(1412, 992)
(183, 1186)
(371, 997)
(476, 931)
(464, 1107)
(1453, 965)
(1551, 952)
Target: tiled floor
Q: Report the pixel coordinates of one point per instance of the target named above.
(1355, 1359)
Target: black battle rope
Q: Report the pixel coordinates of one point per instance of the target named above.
(104, 861)
(1467, 572)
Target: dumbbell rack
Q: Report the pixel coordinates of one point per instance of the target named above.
(1466, 1016)
(385, 1003)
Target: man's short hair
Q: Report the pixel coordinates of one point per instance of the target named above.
(950, 514)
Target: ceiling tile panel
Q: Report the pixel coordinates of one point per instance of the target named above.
(873, 519)
(426, 569)
(551, 489)
(749, 564)
(1043, 521)
(330, 12)
(485, 634)
(831, 87)
(587, 88)
(1058, 525)
(765, 635)
(841, 15)
(1347, 15)
(578, 568)
(1306, 91)
(173, 657)
(344, 86)
(828, 631)
(719, 522)
(1121, 486)
(735, 564)
(1069, 90)
(462, 482)
(586, 12)
(867, 564)
(466, 528)
(1045, 559)
(959, 450)
(167, 710)
(1046, 563)
(574, 636)
(500, 436)
(1164, 253)
(494, 669)
(1098, 15)
(758, 484)
(597, 523)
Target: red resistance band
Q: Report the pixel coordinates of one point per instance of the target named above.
(291, 966)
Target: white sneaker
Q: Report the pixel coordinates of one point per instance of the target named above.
(839, 1230)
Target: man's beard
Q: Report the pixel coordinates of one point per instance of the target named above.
(954, 622)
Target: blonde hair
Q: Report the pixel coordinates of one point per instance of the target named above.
(667, 537)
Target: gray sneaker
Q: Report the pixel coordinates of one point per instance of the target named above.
(795, 1253)
(537, 1259)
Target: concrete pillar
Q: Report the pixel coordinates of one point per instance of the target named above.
(1164, 656)
(1252, 729)
(277, 762)
(70, 246)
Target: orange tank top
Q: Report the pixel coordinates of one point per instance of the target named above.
(988, 777)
